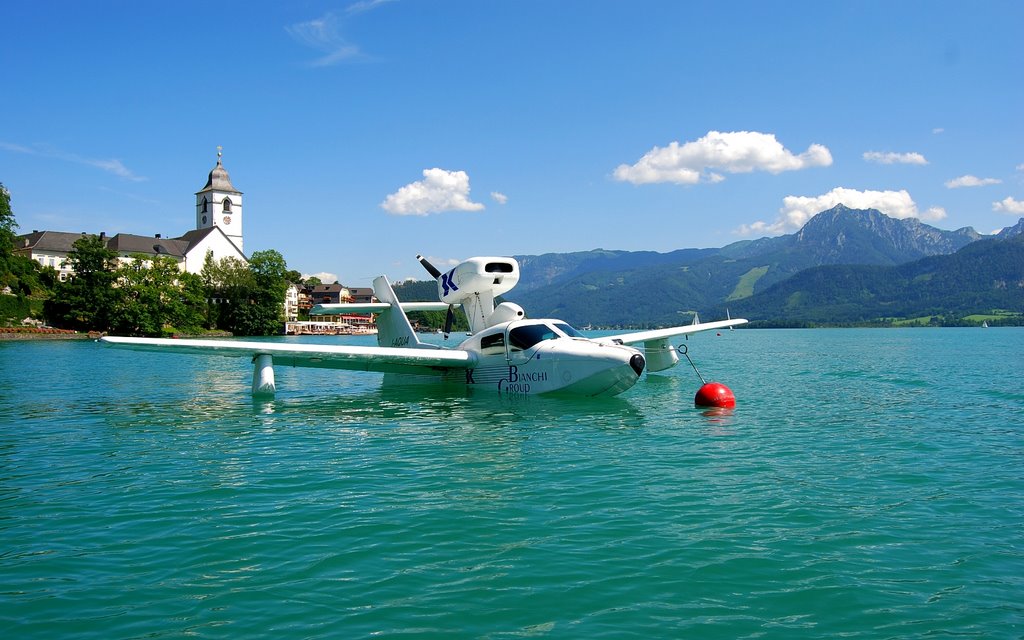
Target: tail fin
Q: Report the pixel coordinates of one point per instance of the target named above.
(393, 328)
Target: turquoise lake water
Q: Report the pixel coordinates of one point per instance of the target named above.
(869, 484)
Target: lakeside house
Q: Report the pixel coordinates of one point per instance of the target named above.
(336, 324)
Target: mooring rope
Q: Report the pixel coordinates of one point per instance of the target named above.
(684, 350)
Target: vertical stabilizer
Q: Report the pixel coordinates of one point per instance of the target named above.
(393, 328)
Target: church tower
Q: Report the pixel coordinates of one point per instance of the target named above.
(219, 204)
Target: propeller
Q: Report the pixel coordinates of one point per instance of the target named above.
(431, 269)
(448, 319)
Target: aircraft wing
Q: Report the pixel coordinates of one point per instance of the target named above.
(322, 356)
(658, 350)
(671, 332)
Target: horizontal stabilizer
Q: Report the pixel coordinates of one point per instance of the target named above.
(373, 307)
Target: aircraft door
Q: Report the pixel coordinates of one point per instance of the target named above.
(520, 340)
(493, 345)
(515, 354)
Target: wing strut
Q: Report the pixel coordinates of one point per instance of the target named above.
(263, 375)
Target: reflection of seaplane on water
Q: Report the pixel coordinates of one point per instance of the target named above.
(505, 351)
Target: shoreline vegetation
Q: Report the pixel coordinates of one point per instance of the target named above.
(49, 333)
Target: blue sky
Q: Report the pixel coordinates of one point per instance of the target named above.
(363, 133)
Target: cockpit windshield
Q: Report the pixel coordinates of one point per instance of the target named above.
(523, 337)
(568, 330)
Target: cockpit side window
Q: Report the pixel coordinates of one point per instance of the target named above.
(522, 338)
(493, 342)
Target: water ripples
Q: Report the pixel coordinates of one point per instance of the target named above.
(845, 496)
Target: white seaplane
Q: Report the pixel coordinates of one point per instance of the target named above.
(505, 351)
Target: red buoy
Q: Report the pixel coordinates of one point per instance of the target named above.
(714, 394)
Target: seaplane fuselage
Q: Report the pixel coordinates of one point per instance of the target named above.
(506, 352)
(527, 357)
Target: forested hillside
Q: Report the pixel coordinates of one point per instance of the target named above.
(844, 266)
(611, 288)
(985, 278)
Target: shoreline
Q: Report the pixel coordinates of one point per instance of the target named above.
(67, 334)
(25, 335)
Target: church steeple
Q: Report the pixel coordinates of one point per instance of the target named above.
(219, 204)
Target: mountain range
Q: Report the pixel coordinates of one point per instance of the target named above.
(845, 266)
(642, 288)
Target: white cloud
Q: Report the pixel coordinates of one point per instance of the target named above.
(1020, 167)
(17, 148)
(112, 165)
(730, 152)
(324, 35)
(1009, 205)
(797, 210)
(443, 264)
(324, 276)
(365, 5)
(439, 191)
(499, 197)
(115, 167)
(971, 181)
(894, 158)
(938, 130)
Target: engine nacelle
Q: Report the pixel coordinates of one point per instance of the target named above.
(507, 312)
(485, 277)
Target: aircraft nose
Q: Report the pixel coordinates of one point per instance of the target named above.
(637, 363)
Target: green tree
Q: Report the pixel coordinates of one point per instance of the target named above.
(7, 224)
(12, 308)
(270, 272)
(247, 299)
(23, 275)
(188, 306)
(228, 284)
(154, 297)
(86, 301)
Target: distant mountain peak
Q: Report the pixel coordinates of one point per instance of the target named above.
(842, 208)
(844, 235)
(1015, 230)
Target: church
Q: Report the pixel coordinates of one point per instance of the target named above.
(218, 230)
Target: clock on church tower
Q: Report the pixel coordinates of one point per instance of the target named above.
(219, 204)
